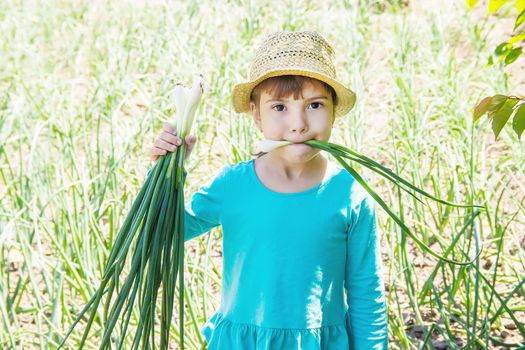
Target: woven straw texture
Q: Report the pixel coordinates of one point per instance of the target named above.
(297, 53)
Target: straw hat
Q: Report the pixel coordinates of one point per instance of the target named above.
(303, 53)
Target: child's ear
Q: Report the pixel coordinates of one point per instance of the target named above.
(255, 115)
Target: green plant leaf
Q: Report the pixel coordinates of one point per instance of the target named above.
(521, 17)
(518, 123)
(520, 5)
(501, 48)
(496, 102)
(499, 117)
(518, 37)
(501, 51)
(494, 5)
(471, 3)
(482, 107)
(513, 55)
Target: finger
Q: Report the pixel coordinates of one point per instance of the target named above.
(169, 128)
(189, 148)
(156, 152)
(170, 138)
(190, 140)
(165, 145)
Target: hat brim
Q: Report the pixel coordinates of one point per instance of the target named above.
(241, 92)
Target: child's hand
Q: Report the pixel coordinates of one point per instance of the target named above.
(168, 142)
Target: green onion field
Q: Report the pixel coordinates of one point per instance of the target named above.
(84, 91)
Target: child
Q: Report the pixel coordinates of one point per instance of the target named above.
(297, 229)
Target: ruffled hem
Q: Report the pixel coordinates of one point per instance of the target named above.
(222, 334)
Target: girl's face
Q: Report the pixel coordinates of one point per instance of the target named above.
(307, 118)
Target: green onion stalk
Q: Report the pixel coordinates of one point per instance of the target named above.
(153, 236)
(342, 154)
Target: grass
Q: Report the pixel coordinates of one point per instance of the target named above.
(82, 93)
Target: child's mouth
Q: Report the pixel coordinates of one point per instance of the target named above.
(300, 145)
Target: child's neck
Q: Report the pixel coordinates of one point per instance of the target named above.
(286, 177)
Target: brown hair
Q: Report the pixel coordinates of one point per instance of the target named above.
(284, 86)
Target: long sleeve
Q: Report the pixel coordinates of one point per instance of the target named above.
(367, 317)
(203, 211)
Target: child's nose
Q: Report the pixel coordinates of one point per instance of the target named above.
(299, 122)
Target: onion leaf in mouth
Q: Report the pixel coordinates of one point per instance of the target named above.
(341, 154)
(269, 145)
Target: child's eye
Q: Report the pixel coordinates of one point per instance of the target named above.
(316, 103)
(278, 106)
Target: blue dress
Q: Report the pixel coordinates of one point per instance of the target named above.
(288, 259)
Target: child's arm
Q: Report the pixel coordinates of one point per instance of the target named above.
(367, 314)
(204, 211)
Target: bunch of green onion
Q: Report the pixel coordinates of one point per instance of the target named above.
(341, 153)
(154, 227)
